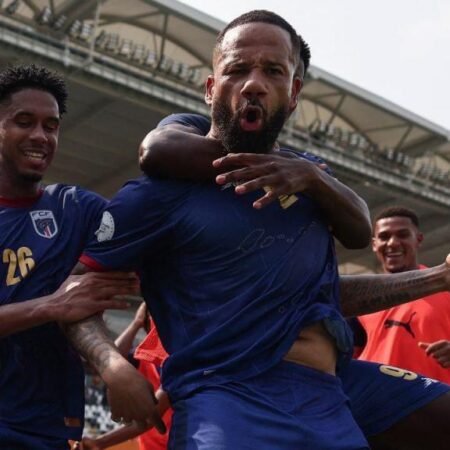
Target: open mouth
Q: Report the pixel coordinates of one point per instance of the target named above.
(251, 118)
(35, 156)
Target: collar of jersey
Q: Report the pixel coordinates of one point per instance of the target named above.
(20, 202)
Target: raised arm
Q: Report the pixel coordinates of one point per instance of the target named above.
(124, 342)
(364, 294)
(131, 396)
(78, 297)
(179, 149)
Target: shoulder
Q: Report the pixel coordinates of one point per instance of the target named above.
(151, 191)
(190, 120)
(308, 156)
(76, 194)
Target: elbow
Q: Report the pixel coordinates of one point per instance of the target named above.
(149, 151)
(355, 238)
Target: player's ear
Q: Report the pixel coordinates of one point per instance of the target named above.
(209, 89)
(419, 238)
(374, 245)
(297, 85)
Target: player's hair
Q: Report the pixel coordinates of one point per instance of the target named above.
(16, 78)
(398, 211)
(300, 49)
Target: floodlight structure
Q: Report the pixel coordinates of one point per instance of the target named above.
(175, 68)
(184, 72)
(138, 53)
(112, 43)
(151, 60)
(194, 75)
(59, 22)
(85, 32)
(165, 63)
(45, 16)
(75, 29)
(101, 39)
(126, 48)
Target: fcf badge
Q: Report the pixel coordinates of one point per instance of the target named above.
(44, 223)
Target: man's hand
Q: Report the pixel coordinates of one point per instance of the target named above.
(87, 444)
(163, 401)
(280, 174)
(81, 296)
(131, 398)
(440, 350)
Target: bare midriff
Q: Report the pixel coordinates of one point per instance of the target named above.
(314, 348)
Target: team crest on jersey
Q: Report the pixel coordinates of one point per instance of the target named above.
(106, 229)
(44, 223)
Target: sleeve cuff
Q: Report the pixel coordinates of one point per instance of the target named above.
(92, 263)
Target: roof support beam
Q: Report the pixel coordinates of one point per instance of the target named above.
(389, 127)
(403, 138)
(32, 6)
(337, 108)
(108, 19)
(163, 39)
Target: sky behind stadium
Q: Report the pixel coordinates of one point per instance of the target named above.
(397, 49)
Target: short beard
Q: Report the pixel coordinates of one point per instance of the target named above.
(31, 177)
(236, 140)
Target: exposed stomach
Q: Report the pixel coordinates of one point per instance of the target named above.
(314, 348)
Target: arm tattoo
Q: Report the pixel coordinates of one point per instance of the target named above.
(90, 338)
(364, 294)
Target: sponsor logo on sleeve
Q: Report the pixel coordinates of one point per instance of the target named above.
(106, 229)
(44, 223)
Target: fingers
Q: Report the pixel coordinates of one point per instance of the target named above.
(112, 304)
(435, 347)
(439, 350)
(423, 345)
(109, 291)
(163, 402)
(240, 175)
(158, 422)
(277, 186)
(265, 200)
(239, 159)
(444, 362)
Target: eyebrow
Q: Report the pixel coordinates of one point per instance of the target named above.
(29, 113)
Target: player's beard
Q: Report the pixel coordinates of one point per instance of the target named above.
(236, 140)
(31, 177)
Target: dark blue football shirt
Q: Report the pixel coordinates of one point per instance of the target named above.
(229, 287)
(41, 377)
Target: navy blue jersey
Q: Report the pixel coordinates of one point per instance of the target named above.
(229, 287)
(41, 377)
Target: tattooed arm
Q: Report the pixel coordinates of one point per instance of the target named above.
(130, 395)
(364, 294)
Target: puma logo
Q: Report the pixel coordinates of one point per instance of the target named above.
(389, 323)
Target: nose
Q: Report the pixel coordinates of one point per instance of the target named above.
(38, 134)
(392, 240)
(254, 86)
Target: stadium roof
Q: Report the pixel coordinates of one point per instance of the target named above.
(116, 97)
